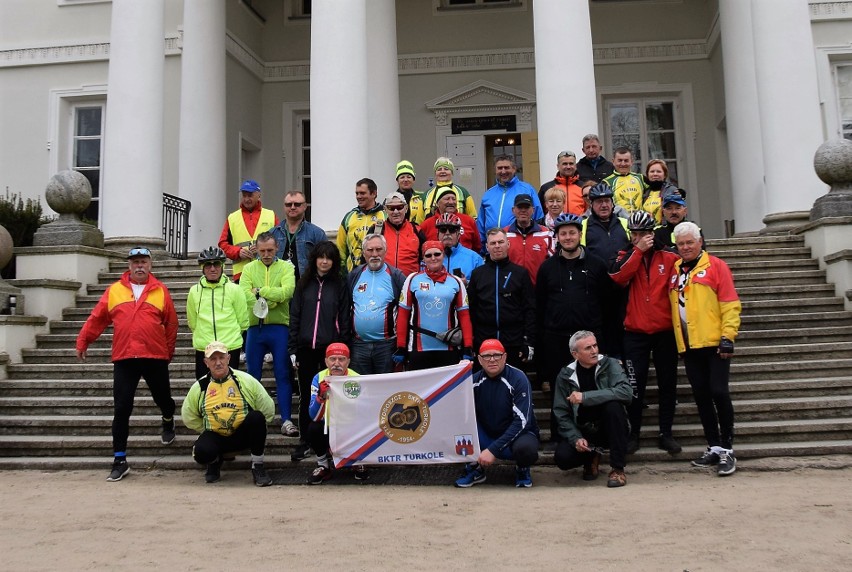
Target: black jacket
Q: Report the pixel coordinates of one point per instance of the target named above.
(587, 172)
(570, 294)
(334, 323)
(502, 304)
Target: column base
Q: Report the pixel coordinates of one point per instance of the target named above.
(783, 223)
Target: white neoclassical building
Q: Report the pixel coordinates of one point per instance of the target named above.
(189, 97)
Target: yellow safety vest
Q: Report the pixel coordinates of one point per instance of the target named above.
(241, 236)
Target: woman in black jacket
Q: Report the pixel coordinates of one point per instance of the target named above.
(320, 315)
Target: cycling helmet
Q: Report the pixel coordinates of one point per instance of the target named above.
(211, 254)
(566, 219)
(250, 186)
(448, 219)
(640, 220)
(600, 191)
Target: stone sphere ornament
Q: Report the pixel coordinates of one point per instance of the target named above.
(68, 192)
(6, 246)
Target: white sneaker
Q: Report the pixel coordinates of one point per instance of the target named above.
(267, 358)
(242, 357)
(289, 429)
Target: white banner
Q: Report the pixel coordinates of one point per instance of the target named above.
(410, 418)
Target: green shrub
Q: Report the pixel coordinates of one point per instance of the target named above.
(22, 219)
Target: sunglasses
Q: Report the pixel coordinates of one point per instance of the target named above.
(214, 263)
(395, 208)
(491, 357)
(433, 254)
(447, 229)
(293, 205)
(139, 252)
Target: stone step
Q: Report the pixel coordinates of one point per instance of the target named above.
(809, 305)
(795, 320)
(100, 424)
(784, 252)
(69, 340)
(767, 388)
(794, 278)
(743, 267)
(753, 243)
(74, 326)
(816, 334)
(753, 293)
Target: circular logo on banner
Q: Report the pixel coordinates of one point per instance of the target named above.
(404, 417)
(351, 389)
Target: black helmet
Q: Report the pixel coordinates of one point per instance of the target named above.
(211, 254)
(566, 219)
(640, 220)
(600, 191)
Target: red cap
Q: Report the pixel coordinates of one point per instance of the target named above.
(493, 345)
(432, 244)
(337, 349)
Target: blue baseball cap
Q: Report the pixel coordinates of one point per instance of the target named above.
(249, 186)
(674, 198)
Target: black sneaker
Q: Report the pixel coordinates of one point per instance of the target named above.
(168, 435)
(320, 475)
(119, 470)
(708, 459)
(669, 445)
(727, 464)
(214, 471)
(260, 476)
(632, 444)
(362, 473)
(303, 451)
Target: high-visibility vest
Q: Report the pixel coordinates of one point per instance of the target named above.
(240, 234)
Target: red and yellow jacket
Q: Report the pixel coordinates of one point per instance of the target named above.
(649, 310)
(711, 303)
(144, 328)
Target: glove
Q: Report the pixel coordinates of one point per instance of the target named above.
(293, 360)
(323, 389)
(467, 353)
(399, 355)
(726, 346)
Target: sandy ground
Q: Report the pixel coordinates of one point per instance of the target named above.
(664, 519)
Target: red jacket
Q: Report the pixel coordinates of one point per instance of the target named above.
(403, 246)
(530, 250)
(146, 328)
(648, 308)
(469, 237)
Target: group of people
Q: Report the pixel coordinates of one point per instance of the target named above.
(610, 269)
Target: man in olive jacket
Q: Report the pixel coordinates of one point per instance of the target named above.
(589, 403)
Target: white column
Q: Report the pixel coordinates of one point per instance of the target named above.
(742, 115)
(566, 105)
(131, 197)
(202, 162)
(789, 103)
(383, 98)
(339, 111)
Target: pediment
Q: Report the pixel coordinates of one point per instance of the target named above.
(481, 93)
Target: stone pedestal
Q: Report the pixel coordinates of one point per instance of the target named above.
(68, 193)
(833, 165)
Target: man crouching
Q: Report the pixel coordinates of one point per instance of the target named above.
(589, 404)
(230, 409)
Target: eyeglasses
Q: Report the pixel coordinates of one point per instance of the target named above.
(395, 208)
(293, 205)
(216, 263)
(433, 254)
(139, 252)
(491, 357)
(447, 229)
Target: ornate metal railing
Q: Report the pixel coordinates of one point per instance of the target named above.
(176, 225)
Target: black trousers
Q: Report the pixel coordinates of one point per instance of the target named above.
(201, 368)
(311, 362)
(638, 349)
(125, 379)
(612, 433)
(708, 375)
(251, 434)
(317, 438)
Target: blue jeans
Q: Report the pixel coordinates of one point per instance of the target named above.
(373, 357)
(271, 338)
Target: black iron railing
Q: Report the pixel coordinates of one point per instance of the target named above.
(176, 225)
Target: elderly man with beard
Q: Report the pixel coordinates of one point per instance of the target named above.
(375, 288)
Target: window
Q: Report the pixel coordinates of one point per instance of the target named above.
(304, 162)
(648, 126)
(843, 81)
(299, 10)
(87, 150)
(462, 5)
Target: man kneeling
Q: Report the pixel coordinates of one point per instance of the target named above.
(230, 409)
(589, 404)
(504, 417)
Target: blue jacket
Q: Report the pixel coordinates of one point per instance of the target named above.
(504, 407)
(308, 235)
(495, 210)
(462, 258)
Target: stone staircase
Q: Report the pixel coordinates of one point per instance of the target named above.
(790, 379)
